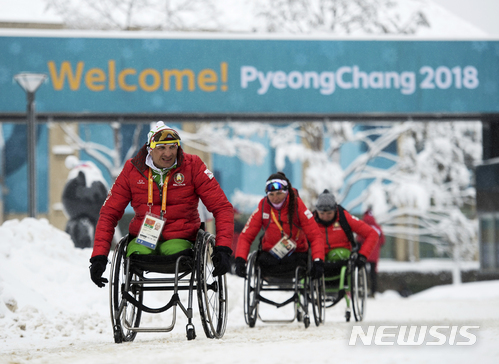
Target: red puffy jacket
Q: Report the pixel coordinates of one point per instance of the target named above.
(304, 227)
(369, 219)
(189, 181)
(335, 237)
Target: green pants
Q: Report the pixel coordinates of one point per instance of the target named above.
(168, 247)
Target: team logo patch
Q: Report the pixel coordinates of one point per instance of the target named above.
(308, 214)
(178, 178)
(209, 173)
(141, 182)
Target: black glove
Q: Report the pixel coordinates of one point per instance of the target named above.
(317, 269)
(241, 267)
(358, 259)
(221, 260)
(98, 267)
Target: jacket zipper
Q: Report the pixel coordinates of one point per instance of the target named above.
(327, 238)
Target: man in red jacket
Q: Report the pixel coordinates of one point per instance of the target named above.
(163, 185)
(337, 227)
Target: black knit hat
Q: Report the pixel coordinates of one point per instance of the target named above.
(326, 202)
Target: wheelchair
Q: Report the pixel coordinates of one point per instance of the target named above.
(343, 279)
(192, 269)
(259, 283)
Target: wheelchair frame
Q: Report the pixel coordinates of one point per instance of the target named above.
(129, 282)
(303, 288)
(352, 285)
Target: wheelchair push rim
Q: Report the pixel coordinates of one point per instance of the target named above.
(211, 291)
(359, 292)
(123, 313)
(318, 300)
(251, 288)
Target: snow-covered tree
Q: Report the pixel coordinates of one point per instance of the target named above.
(342, 16)
(424, 191)
(112, 159)
(164, 15)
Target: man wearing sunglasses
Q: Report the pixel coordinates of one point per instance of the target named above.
(163, 184)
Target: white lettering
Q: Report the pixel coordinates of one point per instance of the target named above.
(359, 76)
(383, 337)
(339, 78)
(308, 76)
(380, 334)
(408, 82)
(437, 335)
(358, 332)
(295, 80)
(411, 337)
(327, 83)
(463, 331)
(453, 333)
(264, 82)
(376, 80)
(347, 78)
(248, 74)
(279, 80)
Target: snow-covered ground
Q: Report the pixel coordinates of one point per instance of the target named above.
(51, 312)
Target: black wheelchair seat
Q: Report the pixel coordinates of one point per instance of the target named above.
(162, 263)
(332, 269)
(281, 270)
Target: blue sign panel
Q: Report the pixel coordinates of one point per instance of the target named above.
(156, 75)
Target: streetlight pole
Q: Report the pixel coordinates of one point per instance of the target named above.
(30, 83)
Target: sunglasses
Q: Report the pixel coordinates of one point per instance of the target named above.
(276, 185)
(167, 136)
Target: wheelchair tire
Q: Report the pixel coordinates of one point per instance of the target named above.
(211, 291)
(359, 292)
(121, 310)
(306, 321)
(318, 300)
(251, 291)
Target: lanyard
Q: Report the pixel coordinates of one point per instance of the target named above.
(279, 225)
(276, 221)
(150, 190)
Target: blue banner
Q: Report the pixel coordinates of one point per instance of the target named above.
(155, 75)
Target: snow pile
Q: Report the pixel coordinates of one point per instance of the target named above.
(45, 289)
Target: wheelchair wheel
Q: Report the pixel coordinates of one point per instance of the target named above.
(359, 292)
(123, 313)
(211, 291)
(251, 289)
(318, 300)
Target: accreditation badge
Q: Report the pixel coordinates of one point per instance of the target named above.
(284, 247)
(150, 231)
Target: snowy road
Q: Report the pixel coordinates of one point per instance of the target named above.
(287, 343)
(50, 312)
